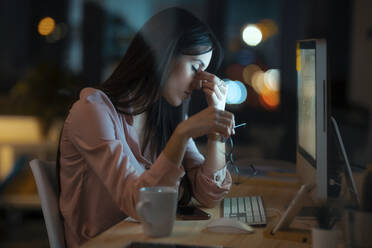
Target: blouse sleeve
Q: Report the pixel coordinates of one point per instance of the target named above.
(91, 129)
(208, 187)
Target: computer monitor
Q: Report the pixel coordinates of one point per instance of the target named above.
(314, 126)
(313, 115)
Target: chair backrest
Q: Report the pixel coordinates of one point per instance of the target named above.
(46, 182)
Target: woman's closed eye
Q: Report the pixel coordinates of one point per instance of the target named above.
(194, 69)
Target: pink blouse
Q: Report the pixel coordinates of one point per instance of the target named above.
(102, 169)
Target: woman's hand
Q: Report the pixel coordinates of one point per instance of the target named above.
(214, 88)
(208, 121)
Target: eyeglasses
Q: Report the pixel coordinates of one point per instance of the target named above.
(230, 162)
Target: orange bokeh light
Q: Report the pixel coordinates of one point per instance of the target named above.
(268, 28)
(46, 26)
(269, 98)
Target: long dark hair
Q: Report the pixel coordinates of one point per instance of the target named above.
(136, 84)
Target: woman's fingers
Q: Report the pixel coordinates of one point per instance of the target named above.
(211, 120)
(214, 94)
(225, 114)
(214, 87)
(210, 93)
(224, 122)
(206, 76)
(223, 88)
(224, 126)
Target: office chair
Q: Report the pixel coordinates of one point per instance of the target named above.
(46, 182)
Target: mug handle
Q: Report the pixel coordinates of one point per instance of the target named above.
(140, 208)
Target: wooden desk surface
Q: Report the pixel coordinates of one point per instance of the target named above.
(276, 195)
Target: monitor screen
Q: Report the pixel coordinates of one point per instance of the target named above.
(306, 102)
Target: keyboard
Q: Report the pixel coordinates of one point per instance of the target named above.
(248, 209)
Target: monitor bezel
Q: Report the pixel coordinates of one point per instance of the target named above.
(315, 170)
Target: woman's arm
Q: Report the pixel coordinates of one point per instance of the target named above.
(209, 177)
(206, 187)
(92, 127)
(210, 181)
(215, 92)
(207, 122)
(216, 154)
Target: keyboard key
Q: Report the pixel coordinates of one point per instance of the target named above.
(241, 209)
(226, 207)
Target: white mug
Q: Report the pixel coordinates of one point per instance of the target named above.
(157, 210)
(324, 238)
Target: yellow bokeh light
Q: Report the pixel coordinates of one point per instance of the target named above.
(258, 79)
(248, 72)
(46, 26)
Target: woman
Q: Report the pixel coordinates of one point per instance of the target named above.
(133, 131)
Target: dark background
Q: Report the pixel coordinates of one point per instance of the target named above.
(95, 35)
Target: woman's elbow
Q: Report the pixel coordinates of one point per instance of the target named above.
(210, 203)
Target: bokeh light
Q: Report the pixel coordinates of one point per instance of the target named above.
(271, 79)
(248, 72)
(269, 98)
(265, 84)
(258, 80)
(269, 94)
(268, 28)
(237, 93)
(252, 35)
(46, 26)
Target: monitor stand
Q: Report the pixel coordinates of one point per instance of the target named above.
(293, 209)
(348, 174)
(281, 229)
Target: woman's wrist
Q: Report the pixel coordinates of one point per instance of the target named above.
(215, 156)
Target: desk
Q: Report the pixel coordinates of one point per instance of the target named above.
(276, 194)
